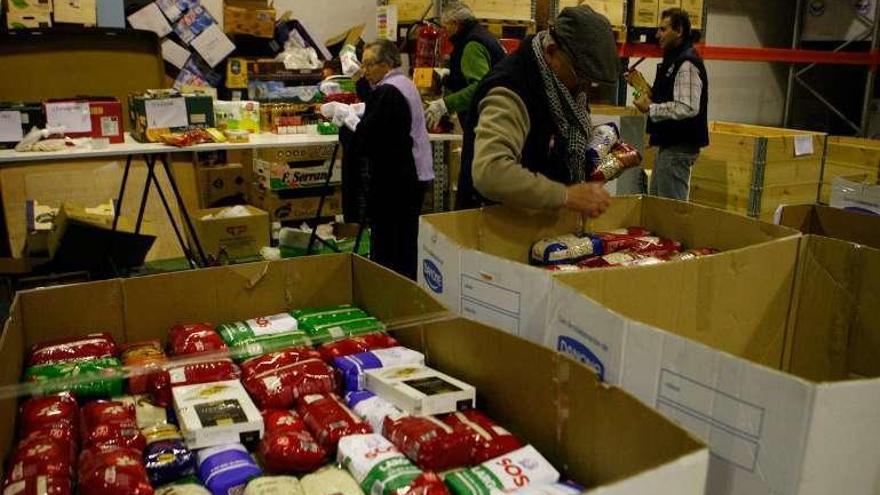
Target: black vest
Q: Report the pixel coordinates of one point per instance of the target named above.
(693, 131)
(520, 73)
(470, 31)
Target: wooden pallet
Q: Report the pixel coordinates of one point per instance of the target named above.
(856, 159)
(507, 10)
(753, 169)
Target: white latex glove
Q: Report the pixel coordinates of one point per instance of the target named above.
(342, 112)
(435, 111)
(352, 122)
(358, 108)
(328, 110)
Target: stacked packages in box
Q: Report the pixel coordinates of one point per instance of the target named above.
(310, 402)
(632, 246)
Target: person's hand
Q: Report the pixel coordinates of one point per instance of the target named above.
(435, 111)
(643, 102)
(358, 75)
(589, 198)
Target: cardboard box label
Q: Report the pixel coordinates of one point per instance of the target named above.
(163, 113)
(439, 269)
(74, 116)
(11, 126)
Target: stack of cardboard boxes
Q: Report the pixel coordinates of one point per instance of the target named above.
(646, 14)
(23, 14)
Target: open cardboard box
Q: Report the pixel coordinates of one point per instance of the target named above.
(475, 261)
(861, 228)
(596, 434)
(772, 361)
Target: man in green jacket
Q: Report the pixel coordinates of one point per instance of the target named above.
(475, 52)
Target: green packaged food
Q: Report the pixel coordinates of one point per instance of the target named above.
(335, 322)
(111, 385)
(261, 335)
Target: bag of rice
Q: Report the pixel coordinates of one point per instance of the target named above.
(330, 480)
(336, 322)
(166, 457)
(486, 439)
(371, 408)
(226, 469)
(261, 335)
(274, 485)
(275, 360)
(513, 471)
(376, 464)
(329, 420)
(280, 388)
(352, 367)
(432, 445)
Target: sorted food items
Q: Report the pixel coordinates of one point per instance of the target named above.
(376, 464)
(280, 388)
(371, 408)
(330, 481)
(227, 469)
(276, 360)
(431, 444)
(106, 423)
(353, 367)
(421, 390)
(274, 485)
(194, 338)
(142, 354)
(486, 439)
(113, 470)
(105, 386)
(217, 413)
(621, 157)
(166, 457)
(335, 322)
(290, 449)
(282, 419)
(264, 334)
(96, 345)
(190, 374)
(513, 471)
(353, 345)
(38, 456)
(329, 419)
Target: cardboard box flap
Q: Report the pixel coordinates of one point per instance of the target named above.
(833, 222)
(395, 304)
(460, 227)
(12, 342)
(509, 232)
(584, 438)
(834, 316)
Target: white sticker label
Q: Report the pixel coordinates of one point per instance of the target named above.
(272, 383)
(270, 325)
(525, 462)
(166, 112)
(73, 116)
(109, 126)
(10, 126)
(803, 145)
(177, 375)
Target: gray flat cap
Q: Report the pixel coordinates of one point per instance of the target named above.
(586, 35)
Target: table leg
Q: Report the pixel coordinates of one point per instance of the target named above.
(117, 208)
(182, 208)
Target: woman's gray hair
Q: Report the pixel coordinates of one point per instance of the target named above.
(386, 52)
(456, 11)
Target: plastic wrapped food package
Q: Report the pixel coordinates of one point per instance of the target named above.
(282, 419)
(49, 410)
(564, 249)
(190, 374)
(290, 450)
(111, 471)
(63, 432)
(40, 485)
(486, 439)
(166, 457)
(110, 423)
(331, 323)
(372, 408)
(329, 420)
(274, 485)
(194, 338)
(377, 466)
(352, 367)
(96, 345)
(147, 413)
(621, 157)
(330, 481)
(183, 489)
(428, 442)
(513, 471)
(280, 388)
(226, 470)
(37, 456)
(101, 386)
(263, 334)
(146, 354)
(353, 345)
(275, 360)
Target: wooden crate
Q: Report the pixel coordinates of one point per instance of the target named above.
(614, 10)
(507, 10)
(752, 169)
(852, 158)
(411, 10)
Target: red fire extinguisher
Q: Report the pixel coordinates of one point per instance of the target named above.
(427, 49)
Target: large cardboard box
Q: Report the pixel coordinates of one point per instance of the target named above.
(90, 117)
(222, 185)
(251, 17)
(860, 228)
(236, 237)
(771, 361)
(475, 261)
(280, 169)
(161, 111)
(595, 434)
(851, 158)
(83, 12)
(294, 208)
(753, 169)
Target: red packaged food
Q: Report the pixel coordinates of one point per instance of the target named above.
(429, 443)
(656, 246)
(691, 254)
(111, 471)
(38, 456)
(194, 338)
(142, 354)
(190, 374)
(428, 483)
(355, 345)
(486, 439)
(280, 388)
(40, 485)
(289, 450)
(63, 432)
(95, 345)
(281, 420)
(620, 258)
(328, 419)
(275, 360)
(111, 423)
(49, 410)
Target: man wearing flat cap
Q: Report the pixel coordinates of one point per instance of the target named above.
(527, 146)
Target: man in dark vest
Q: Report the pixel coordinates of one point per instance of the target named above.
(525, 144)
(475, 51)
(676, 107)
